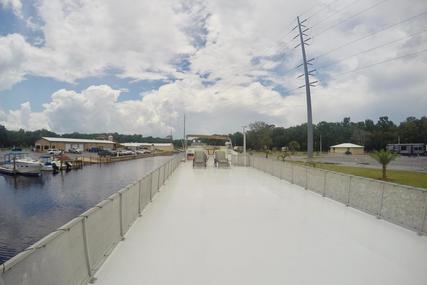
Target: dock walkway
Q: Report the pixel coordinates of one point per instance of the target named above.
(243, 226)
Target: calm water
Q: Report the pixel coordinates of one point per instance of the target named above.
(32, 207)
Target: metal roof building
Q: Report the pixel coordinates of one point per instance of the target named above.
(67, 143)
(349, 148)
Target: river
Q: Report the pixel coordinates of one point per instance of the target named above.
(32, 207)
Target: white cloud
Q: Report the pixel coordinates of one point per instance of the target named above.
(15, 5)
(234, 45)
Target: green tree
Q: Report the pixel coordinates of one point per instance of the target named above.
(283, 155)
(3, 136)
(384, 157)
(259, 135)
(294, 146)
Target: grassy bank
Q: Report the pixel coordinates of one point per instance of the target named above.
(411, 178)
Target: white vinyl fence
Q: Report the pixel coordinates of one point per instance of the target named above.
(399, 204)
(73, 253)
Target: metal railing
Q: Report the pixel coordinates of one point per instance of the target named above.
(402, 205)
(73, 253)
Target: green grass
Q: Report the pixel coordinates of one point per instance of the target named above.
(411, 178)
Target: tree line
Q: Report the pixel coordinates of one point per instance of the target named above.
(22, 138)
(260, 136)
(372, 135)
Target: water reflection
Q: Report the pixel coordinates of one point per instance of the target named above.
(20, 182)
(31, 207)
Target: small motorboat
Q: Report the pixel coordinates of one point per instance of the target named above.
(48, 164)
(62, 165)
(19, 163)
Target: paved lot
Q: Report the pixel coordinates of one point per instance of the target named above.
(401, 163)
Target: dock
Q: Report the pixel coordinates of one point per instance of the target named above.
(268, 223)
(243, 226)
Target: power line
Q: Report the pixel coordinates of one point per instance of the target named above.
(371, 49)
(339, 11)
(381, 62)
(372, 34)
(322, 8)
(353, 16)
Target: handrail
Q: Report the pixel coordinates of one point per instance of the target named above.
(400, 204)
(74, 252)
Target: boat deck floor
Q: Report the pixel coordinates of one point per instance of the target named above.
(242, 226)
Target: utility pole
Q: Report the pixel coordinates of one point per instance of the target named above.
(307, 73)
(244, 144)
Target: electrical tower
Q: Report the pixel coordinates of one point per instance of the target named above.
(303, 42)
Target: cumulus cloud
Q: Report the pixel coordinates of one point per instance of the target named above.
(15, 5)
(225, 63)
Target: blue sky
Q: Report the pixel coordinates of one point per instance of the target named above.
(137, 67)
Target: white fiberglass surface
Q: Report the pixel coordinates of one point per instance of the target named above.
(242, 226)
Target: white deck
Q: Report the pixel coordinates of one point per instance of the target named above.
(241, 226)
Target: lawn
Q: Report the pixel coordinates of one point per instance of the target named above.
(416, 179)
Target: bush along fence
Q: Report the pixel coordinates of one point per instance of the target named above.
(73, 253)
(402, 205)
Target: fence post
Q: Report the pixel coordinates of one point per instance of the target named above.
(348, 192)
(292, 173)
(421, 232)
(306, 178)
(381, 201)
(151, 187)
(139, 197)
(122, 234)
(324, 183)
(158, 179)
(86, 250)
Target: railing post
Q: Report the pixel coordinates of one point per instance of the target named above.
(122, 234)
(292, 173)
(92, 279)
(151, 187)
(306, 178)
(421, 232)
(158, 180)
(139, 198)
(324, 183)
(381, 201)
(348, 192)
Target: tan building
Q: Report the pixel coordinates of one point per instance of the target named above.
(66, 144)
(150, 146)
(347, 147)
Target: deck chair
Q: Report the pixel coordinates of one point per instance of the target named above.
(200, 159)
(221, 159)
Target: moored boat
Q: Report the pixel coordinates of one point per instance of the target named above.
(19, 163)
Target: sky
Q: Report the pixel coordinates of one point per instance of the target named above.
(138, 66)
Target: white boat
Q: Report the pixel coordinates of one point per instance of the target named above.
(64, 165)
(47, 163)
(20, 163)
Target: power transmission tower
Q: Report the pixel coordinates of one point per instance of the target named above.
(307, 73)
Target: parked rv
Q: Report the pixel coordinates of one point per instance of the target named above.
(408, 148)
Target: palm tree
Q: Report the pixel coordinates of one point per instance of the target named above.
(384, 157)
(283, 155)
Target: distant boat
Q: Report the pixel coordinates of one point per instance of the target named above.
(48, 164)
(19, 163)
